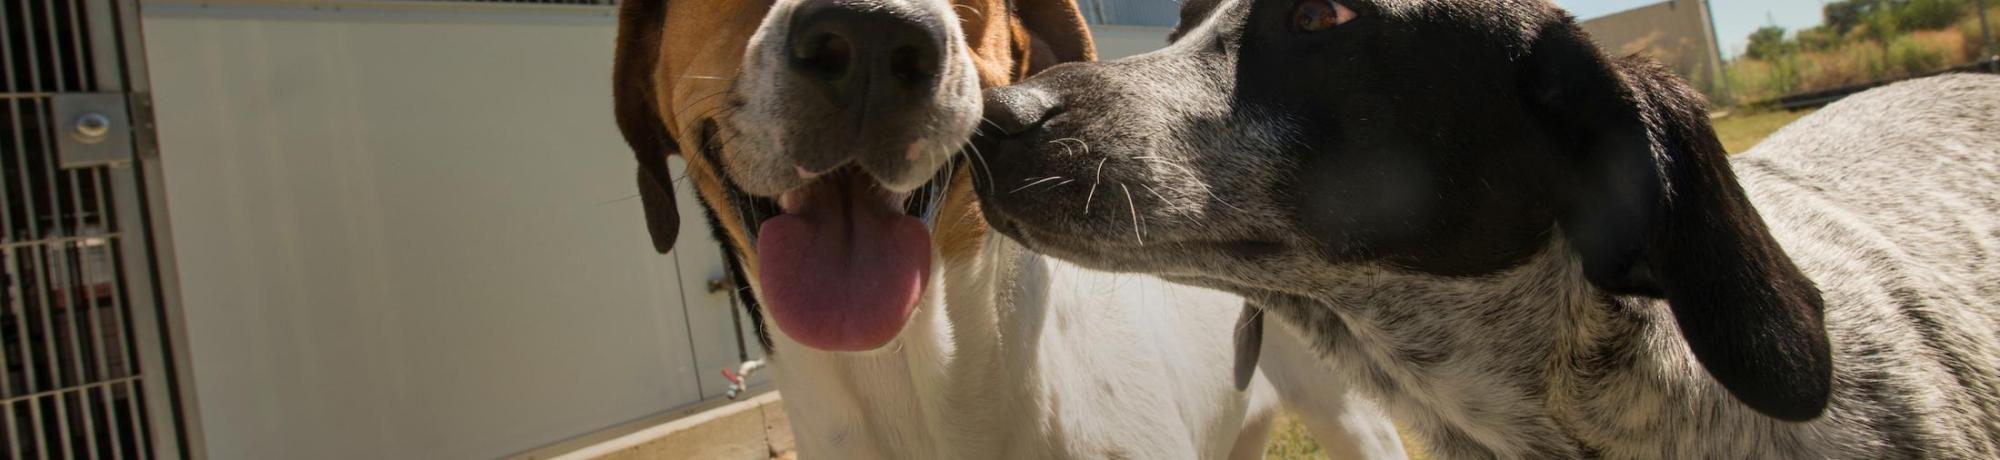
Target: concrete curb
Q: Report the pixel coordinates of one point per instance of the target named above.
(755, 428)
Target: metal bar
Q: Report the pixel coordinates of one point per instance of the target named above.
(24, 95)
(78, 46)
(80, 281)
(34, 69)
(117, 438)
(13, 438)
(14, 261)
(42, 274)
(14, 303)
(97, 317)
(53, 47)
(73, 389)
(135, 423)
(82, 410)
(139, 412)
(166, 424)
(66, 239)
(103, 33)
(170, 398)
(55, 374)
(133, 332)
(6, 233)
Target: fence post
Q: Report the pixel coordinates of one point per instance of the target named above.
(1986, 39)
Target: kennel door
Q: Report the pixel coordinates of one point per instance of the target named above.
(84, 367)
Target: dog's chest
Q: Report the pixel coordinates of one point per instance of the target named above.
(1547, 371)
(1469, 375)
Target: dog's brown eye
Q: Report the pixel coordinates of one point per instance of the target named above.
(1318, 15)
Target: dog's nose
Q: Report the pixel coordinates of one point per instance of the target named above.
(867, 51)
(1014, 109)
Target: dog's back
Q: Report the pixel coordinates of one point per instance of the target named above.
(1890, 201)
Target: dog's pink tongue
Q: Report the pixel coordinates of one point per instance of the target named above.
(843, 271)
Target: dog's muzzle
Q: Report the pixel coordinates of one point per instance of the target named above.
(874, 65)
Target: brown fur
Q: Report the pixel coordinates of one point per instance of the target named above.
(698, 48)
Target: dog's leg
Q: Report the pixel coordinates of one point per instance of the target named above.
(1258, 418)
(1346, 423)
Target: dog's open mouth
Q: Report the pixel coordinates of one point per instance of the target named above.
(843, 264)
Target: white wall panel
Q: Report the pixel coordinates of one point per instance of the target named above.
(413, 239)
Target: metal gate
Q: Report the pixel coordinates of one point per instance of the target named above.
(84, 369)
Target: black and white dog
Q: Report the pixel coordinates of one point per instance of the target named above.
(1528, 250)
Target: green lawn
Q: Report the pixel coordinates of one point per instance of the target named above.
(1290, 441)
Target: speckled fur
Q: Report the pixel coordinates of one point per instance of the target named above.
(1889, 201)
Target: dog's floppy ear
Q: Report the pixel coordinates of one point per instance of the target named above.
(636, 99)
(1056, 33)
(1658, 212)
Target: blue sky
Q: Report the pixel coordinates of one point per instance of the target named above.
(1734, 19)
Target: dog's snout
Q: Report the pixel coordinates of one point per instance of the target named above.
(1014, 109)
(867, 52)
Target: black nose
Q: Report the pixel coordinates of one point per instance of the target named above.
(867, 51)
(1014, 109)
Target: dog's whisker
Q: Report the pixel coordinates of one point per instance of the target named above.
(1065, 147)
(615, 200)
(1080, 144)
(1032, 184)
(707, 77)
(1093, 185)
(1156, 194)
(975, 12)
(1136, 234)
(984, 169)
(1205, 188)
(697, 104)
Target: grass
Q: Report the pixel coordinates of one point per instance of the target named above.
(1290, 441)
(1741, 131)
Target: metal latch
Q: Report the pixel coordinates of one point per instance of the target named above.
(92, 129)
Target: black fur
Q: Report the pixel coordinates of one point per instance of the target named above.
(1446, 138)
(1658, 213)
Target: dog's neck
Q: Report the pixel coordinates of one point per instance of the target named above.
(1447, 355)
(929, 389)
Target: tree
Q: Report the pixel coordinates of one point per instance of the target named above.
(1767, 42)
(1844, 15)
(1929, 14)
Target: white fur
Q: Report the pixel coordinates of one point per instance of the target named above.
(1014, 355)
(1069, 363)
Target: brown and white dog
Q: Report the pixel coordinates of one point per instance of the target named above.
(822, 137)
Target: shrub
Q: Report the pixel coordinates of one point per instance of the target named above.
(1909, 55)
(1968, 32)
(1820, 38)
(1930, 14)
